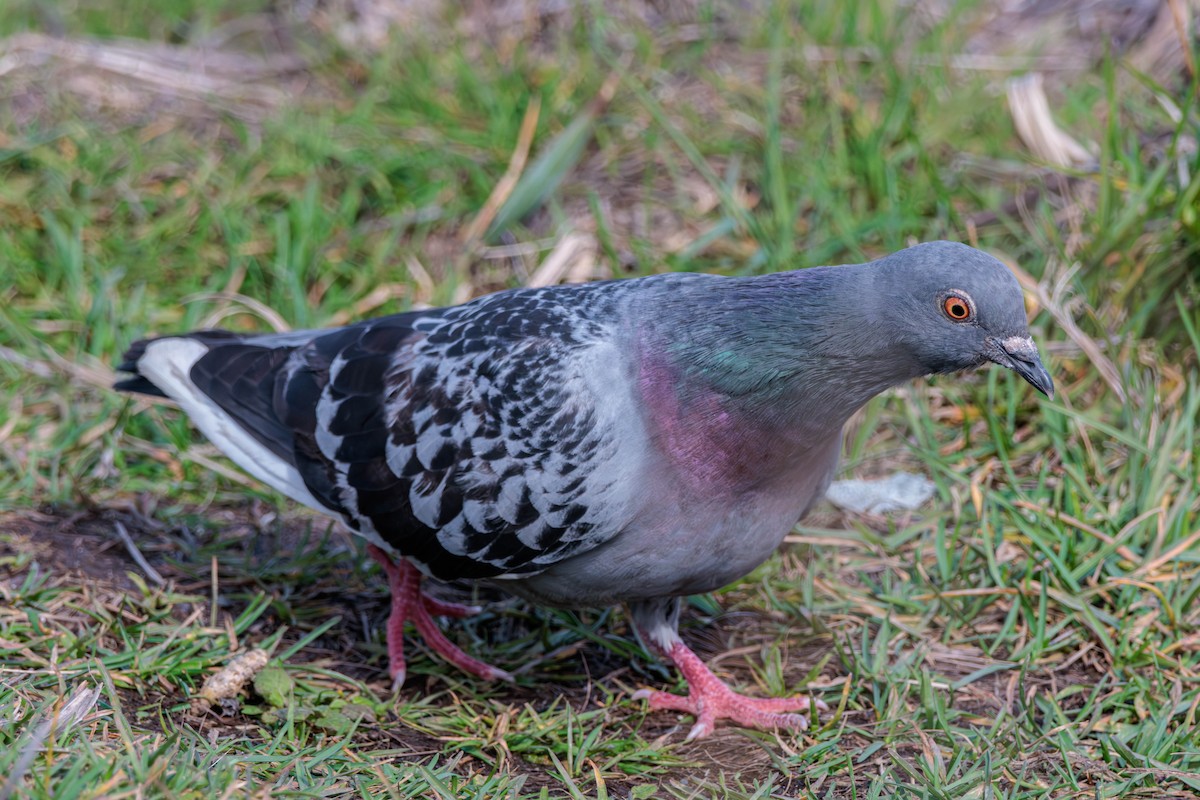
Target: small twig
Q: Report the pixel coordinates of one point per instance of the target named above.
(137, 556)
(230, 679)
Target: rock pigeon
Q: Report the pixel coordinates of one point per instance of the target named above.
(631, 441)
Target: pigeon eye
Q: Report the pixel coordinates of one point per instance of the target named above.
(957, 308)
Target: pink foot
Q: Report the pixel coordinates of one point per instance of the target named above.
(709, 700)
(410, 603)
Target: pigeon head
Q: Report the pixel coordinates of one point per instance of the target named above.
(952, 308)
(804, 349)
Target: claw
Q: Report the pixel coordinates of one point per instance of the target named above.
(699, 731)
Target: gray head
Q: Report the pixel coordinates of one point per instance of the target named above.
(952, 307)
(815, 344)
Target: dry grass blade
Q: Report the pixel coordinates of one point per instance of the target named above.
(200, 455)
(62, 719)
(508, 181)
(30, 365)
(1186, 544)
(1166, 46)
(94, 374)
(258, 308)
(553, 164)
(973, 62)
(1090, 347)
(137, 556)
(572, 258)
(1079, 525)
(1036, 126)
(186, 72)
(377, 297)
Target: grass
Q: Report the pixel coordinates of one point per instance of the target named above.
(1031, 633)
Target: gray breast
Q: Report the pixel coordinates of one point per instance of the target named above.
(677, 545)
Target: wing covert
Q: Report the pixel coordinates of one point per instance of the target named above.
(469, 439)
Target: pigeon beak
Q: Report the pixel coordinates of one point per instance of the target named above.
(1020, 354)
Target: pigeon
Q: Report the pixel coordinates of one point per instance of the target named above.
(632, 441)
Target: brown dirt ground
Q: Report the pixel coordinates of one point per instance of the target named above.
(314, 574)
(83, 549)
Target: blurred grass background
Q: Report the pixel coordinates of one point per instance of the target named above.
(172, 165)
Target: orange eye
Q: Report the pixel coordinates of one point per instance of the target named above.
(956, 308)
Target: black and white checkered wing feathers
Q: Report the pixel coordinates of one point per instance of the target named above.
(479, 440)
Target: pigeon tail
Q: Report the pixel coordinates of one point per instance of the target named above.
(250, 434)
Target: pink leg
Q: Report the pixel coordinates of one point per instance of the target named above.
(709, 699)
(405, 588)
(409, 603)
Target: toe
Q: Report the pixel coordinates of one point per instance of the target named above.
(665, 701)
(701, 729)
(497, 674)
(756, 718)
(444, 608)
(779, 705)
(764, 712)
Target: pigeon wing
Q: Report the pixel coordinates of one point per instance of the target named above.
(472, 440)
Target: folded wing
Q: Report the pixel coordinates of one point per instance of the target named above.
(491, 439)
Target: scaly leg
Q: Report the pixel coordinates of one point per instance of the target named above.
(709, 698)
(410, 603)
